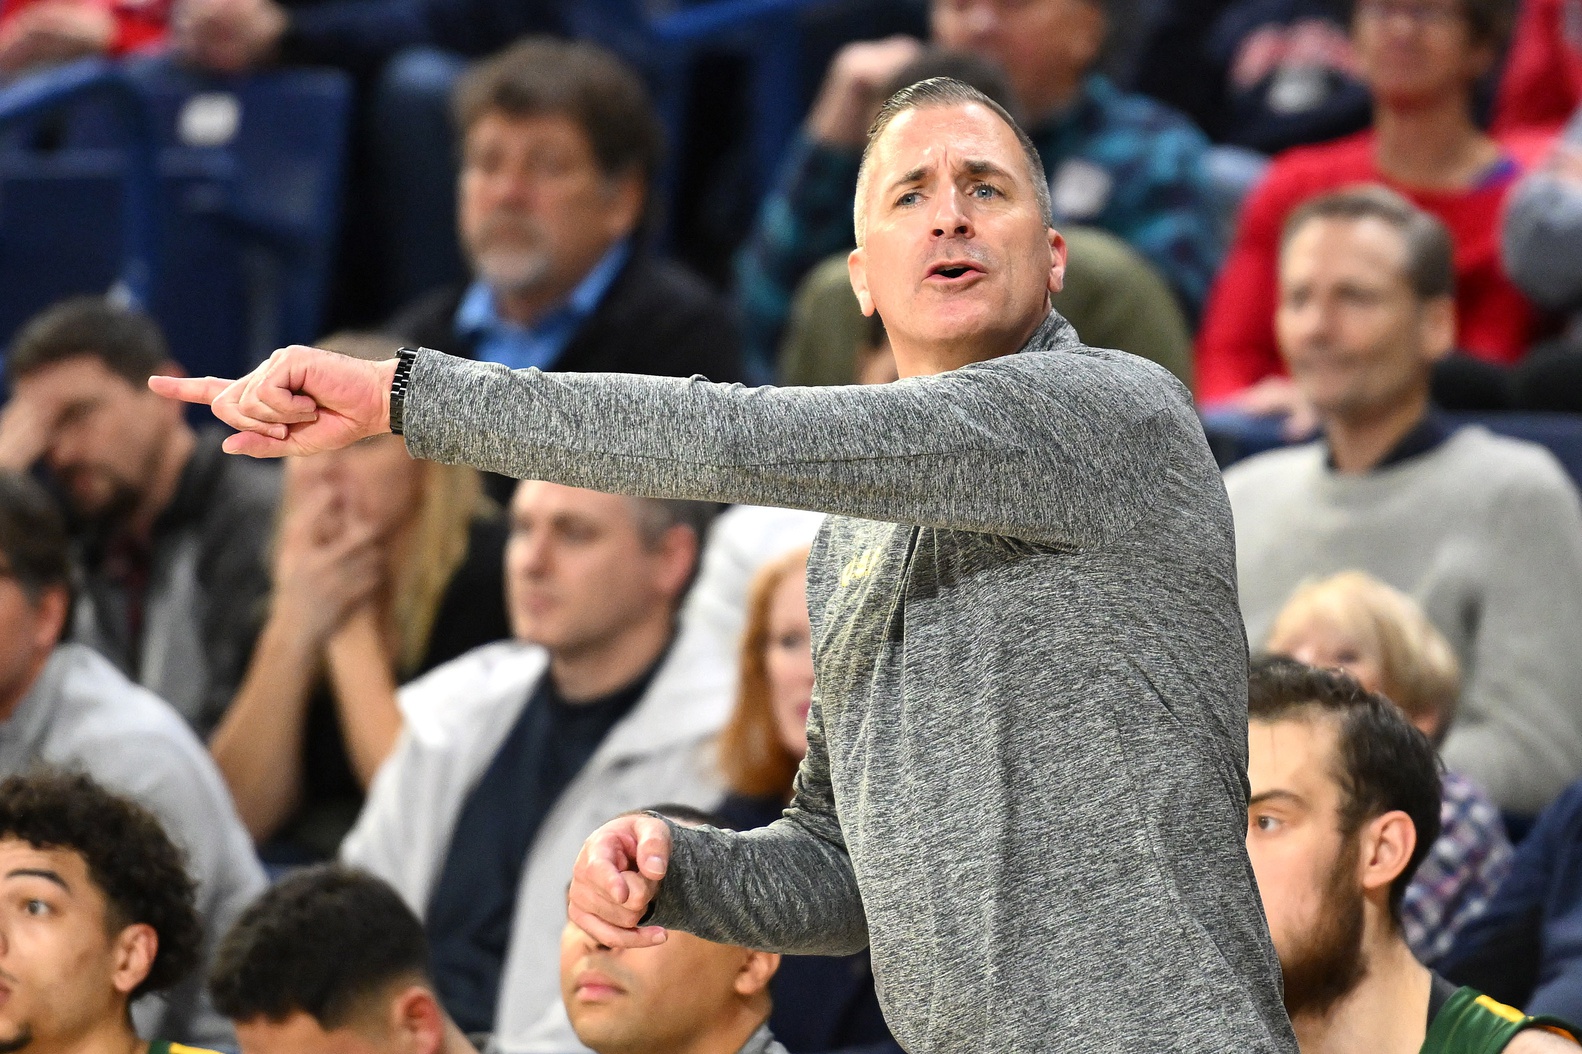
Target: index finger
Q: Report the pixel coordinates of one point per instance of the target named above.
(188, 389)
(603, 868)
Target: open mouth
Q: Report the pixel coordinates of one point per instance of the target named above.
(951, 270)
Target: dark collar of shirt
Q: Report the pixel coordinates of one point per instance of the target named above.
(541, 344)
(1425, 435)
(605, 711)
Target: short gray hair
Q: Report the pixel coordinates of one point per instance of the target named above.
(943, 91)
(655, 517)
(1430, 254)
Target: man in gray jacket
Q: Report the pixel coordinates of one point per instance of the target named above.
(1025, 783)
(65, 706)
(513, 753)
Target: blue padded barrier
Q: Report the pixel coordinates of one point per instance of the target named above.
(661, 40)
(247, 207)
(58, 216)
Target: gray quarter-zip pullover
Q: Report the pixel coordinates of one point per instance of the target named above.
(1025, 782)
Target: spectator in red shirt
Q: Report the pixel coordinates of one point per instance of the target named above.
(1421, 60)
(38, 33)
(1542, 82)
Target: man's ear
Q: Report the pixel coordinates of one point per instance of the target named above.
(417, 1021)
(756, 972)
(1086, 32)
(680, 549)
(53, 603)
(1437, 322)
(135, 949)
(1057, 261)
(857, 267)
(1387, 844)
(628, 193)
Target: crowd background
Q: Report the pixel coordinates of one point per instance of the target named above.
(1354, 232)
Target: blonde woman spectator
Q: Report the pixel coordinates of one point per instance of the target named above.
(1353, 622)
(384, 567)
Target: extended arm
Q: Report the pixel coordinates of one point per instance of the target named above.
(1052, 451)
(1066, 449)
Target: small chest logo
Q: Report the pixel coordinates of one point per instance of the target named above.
(859, 567)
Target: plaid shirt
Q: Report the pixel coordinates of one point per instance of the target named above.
(1118, 161)
(1460, 873)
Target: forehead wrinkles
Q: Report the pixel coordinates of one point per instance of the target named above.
(912, 141)
(920, 137)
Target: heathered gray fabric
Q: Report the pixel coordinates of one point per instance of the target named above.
(1027, 746)
(1485, 532)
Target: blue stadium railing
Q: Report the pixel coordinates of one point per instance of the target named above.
(53, 90)
(236, 229)
(663, 42)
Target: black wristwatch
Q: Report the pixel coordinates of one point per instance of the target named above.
(405, 357)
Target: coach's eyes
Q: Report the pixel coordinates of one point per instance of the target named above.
(911, 197)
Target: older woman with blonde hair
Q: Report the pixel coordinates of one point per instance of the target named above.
(820, 1003)
(1376, 633)
(383, 568)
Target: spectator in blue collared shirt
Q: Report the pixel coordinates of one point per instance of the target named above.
(559, 146)
(1118, 161)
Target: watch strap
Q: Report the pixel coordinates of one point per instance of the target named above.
(405, 357)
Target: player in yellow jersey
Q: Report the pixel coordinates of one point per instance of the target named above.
(1344, 805)
(96, 911)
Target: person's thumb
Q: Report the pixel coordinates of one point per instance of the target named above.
(653, 848)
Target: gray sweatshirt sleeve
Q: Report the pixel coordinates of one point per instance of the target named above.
(1044, 449)
(1518, 731)
(1541, 232)
(788, 887)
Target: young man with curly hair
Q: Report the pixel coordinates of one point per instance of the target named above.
(96, 911)
(64, 706)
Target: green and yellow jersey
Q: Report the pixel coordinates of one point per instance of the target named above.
(164, 1046)
(1465, 1021)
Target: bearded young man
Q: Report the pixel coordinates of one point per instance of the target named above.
(1345, 804)
(1024, 784)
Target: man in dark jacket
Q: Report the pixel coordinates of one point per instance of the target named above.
(559, 146)
(170, 535)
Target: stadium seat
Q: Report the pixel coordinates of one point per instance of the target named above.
(250, 172)
(661, 39)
